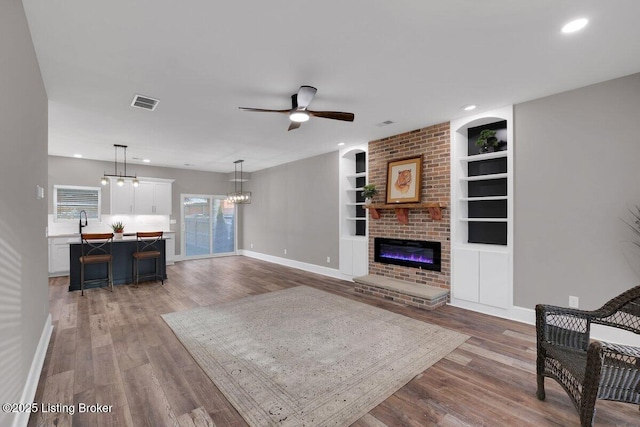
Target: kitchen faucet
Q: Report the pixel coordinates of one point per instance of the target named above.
(86, 221)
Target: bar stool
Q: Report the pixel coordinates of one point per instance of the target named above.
(96, 249)
(148, 247)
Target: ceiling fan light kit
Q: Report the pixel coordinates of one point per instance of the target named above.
(298, 116)
(299, 113)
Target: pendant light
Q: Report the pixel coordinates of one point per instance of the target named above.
(121, 176)
(238, 197)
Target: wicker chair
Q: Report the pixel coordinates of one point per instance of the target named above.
(589, 370)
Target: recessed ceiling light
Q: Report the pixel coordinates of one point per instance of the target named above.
(575, 25)
(468, 107)
(77, 156)
(341, 143)
(146, 160)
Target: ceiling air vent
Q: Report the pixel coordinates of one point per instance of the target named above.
(385, 123)
(144, 102)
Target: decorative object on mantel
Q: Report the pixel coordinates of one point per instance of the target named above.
(488, 140)
(403, 180)
(238, 197)
(118, 229)
(402, 210)
(121, 176)
(368, 192)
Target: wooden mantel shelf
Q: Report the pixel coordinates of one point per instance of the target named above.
(402, 210)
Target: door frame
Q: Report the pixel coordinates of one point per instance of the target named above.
(183, 243)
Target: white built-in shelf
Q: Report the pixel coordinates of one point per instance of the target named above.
(484, 177)
(354, 189)
(482, 199)
(484, 156)
(484, 219)
(357, 218)
(355, 204)
(357, 175)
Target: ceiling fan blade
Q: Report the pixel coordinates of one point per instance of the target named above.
(262, 110)
(305, 95)
(335, 115)
(294, 125)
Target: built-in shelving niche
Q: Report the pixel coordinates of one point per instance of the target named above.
(487, 188)
(361, 168)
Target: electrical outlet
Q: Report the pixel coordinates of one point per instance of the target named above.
(328, 260)
(285, 251)
(252, 246)
(574, 302)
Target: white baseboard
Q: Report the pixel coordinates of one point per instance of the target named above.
(325, 271)
(528, 315)
(29, 391)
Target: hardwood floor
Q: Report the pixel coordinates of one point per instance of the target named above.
(114, 349)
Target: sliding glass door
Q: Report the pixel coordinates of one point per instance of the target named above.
(208, 226)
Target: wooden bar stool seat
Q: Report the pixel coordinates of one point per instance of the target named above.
(148, 247)
(96, 249)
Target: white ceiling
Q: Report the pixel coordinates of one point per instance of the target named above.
(413, 62)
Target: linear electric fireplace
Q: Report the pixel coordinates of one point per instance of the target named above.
(409, 253)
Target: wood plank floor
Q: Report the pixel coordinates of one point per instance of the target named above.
(114, 349)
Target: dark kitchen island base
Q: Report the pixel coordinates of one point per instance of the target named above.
(122, 265)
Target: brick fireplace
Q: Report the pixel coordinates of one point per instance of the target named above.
(433, 144)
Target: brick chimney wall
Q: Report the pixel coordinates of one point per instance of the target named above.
(432, 143)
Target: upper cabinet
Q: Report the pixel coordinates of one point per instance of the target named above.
(121, 197)
(150, 197)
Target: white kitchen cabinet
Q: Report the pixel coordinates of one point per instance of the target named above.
(121, 197)
(162, 198)
(148, 198)
(58, 256)
(170, 248)
(143, 198)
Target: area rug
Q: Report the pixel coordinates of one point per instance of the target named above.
(304, 357)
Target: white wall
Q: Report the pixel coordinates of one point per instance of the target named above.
(577, 169)
(295, 207)
(24, 295)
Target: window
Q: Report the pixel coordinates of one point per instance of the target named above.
(68, 201)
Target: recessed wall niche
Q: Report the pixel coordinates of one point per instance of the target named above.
(487, 196)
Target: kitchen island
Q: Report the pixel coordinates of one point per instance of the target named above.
(122, 264)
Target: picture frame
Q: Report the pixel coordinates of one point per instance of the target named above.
(404, 179)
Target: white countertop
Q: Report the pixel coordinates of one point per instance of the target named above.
(73, 238)
(53, 236)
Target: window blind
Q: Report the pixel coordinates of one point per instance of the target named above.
(69, 201)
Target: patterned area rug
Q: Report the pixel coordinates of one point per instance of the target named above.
(304, 357)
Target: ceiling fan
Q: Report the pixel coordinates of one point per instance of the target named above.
(299, 113)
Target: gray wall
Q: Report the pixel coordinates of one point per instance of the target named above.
(24, 295)
(577, 169)
(294, 207)
(72, 171)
